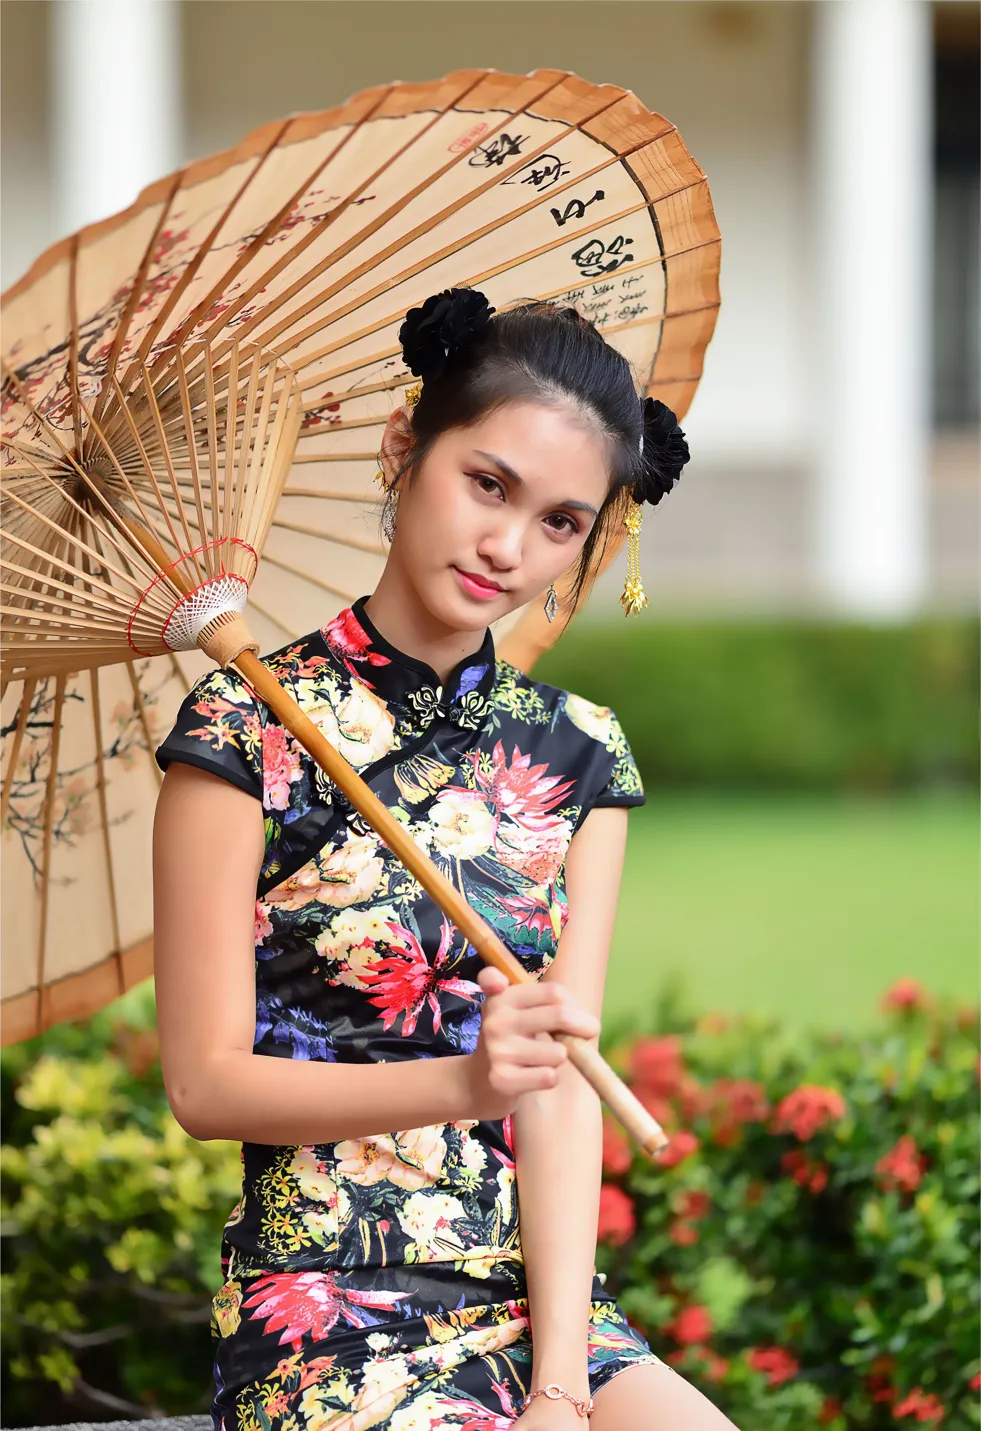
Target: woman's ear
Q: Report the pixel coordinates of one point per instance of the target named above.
(395, 443)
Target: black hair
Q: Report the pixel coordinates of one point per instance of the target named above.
(473, 364)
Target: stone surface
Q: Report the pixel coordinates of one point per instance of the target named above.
(169, 1423)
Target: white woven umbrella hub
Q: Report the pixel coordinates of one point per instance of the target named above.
(214, 598)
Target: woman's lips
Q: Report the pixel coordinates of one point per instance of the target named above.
(477, 586)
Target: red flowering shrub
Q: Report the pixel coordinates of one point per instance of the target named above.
(776, 1364)
(655, 1065)
(919, 1406)
(807, 1110)
(806, 1248)
(692, 1324)
(905, 994)
(901, 1167)
(682, 1145)
(617, 1152)
(616, 1216)
(805, 1252)
(806, 1174)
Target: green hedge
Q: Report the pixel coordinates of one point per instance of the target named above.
(807, 1252)
(793, 704)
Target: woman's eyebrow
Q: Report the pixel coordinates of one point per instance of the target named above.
(509, 471)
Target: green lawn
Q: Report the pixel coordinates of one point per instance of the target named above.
(807, 908)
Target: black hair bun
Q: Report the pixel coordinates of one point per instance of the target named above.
(444, 324)
(664, 453)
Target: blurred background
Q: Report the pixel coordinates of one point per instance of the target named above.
(834, 478)
(801, 694)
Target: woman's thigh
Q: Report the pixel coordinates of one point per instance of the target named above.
(654, 1398)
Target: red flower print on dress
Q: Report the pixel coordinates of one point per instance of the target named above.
(348, 639)
(807, 1110)
(221, 731)
(404, 981)
(530, 912)
(521, 791)
(310, 1304)
(481, 1418)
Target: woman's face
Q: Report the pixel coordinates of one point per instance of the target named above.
(496, 511)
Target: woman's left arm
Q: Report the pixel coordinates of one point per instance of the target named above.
(558, 1131)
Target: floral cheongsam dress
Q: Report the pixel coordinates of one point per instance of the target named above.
(378, 1281)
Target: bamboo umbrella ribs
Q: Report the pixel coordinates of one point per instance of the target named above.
(194, 393)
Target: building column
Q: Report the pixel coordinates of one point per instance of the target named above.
(871, 234)
(116, 101)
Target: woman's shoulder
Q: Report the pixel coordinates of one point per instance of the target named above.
(519, 692)
(302, 658)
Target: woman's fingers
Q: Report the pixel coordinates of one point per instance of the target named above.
(492, 980)
(515, 1048)
(536, 1007)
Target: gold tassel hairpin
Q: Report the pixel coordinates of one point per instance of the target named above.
(632, 598)
(412, 395)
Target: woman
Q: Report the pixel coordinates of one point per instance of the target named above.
(377, 1272)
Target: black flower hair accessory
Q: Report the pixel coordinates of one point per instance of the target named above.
(664, 452)
(444, 324)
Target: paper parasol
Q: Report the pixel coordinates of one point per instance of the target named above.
(154, 371)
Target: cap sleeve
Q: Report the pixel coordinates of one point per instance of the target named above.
(218, 729)
(611, 776)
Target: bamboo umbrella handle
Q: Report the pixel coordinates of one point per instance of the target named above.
(627, 1109)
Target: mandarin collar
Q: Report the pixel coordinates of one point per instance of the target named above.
(405, 680)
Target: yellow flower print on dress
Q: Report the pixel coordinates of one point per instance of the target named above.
(463, 825)
(427, 1220)
(226, 1306)
(361, 726)
(354, 941)
(591, 719)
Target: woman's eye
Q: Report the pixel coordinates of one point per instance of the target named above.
(570, 525)
(493, 485)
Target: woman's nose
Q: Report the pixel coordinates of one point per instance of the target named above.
(504, 544)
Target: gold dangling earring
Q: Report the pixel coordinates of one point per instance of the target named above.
(551, 603)
(632, 598)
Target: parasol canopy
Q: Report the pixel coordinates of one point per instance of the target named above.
(211, 371)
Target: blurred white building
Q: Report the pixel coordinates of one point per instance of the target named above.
(835, 432)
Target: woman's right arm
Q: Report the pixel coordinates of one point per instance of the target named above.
(208, 847)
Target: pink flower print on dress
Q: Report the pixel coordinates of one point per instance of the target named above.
(262, 924)
(404, 981)
(280, 766)
(536, 853)
(348, 639)
(311, 1303)
(524, 792)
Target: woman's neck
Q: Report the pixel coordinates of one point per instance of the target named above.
(395, 610)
